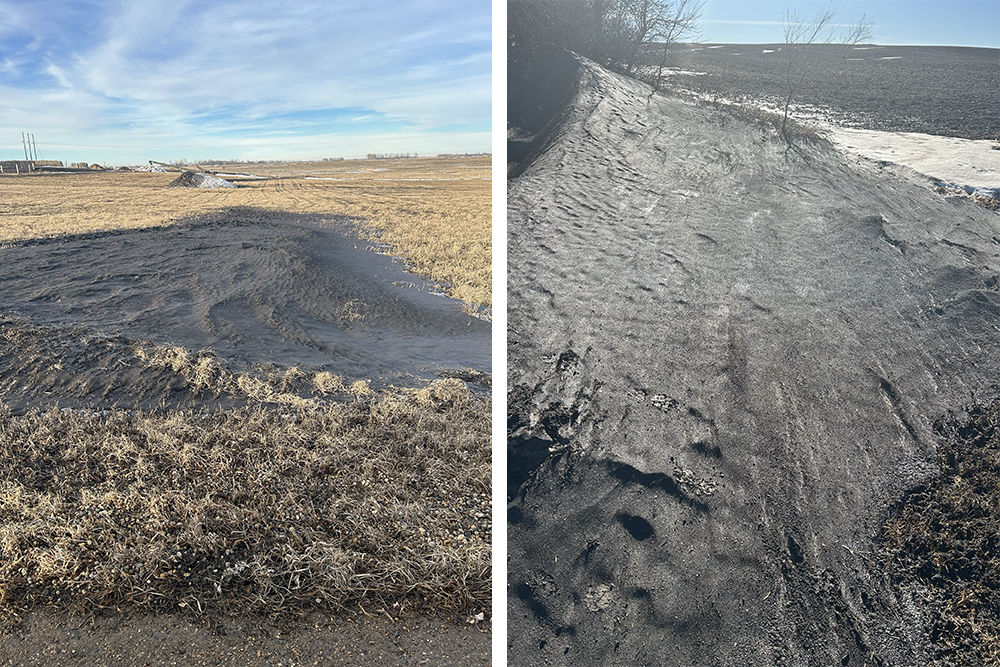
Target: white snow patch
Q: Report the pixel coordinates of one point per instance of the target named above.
(768, 51)
(210, 182)
(668, 71)
(890, 57)
(962, 162)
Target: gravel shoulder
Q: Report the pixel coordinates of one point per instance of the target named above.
(45, 638)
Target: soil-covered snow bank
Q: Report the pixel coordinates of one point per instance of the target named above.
(255, 287)
(725, 363)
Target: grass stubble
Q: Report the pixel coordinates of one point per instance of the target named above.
(942, 542)
(380, 501)
(315, 492)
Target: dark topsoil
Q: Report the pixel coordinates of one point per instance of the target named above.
(726, 363)
(949, 91)
(255, 287)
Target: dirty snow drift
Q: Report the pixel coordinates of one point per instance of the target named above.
(725, 363)
(255, 287)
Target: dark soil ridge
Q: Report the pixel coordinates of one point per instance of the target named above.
(256, 287)
(44, 367)
(729, 357)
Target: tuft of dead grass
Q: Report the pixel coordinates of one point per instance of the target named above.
(207, 376)
(794, 129)
(326, 383)
(254, 509)
(989, 203)
(943, 542)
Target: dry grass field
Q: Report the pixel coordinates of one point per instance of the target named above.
(260, 489)
(253, 510)
(433, 211)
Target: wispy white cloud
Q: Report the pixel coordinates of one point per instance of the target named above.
(185, 71)
(781, 23)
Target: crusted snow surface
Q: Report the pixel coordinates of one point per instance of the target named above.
(961, 162)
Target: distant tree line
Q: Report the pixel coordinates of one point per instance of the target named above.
(610, 32)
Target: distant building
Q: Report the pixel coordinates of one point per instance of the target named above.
(26, 166)
(15, 167)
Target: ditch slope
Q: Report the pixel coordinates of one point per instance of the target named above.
(725, 362)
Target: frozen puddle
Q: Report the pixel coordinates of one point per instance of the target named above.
(960, 162)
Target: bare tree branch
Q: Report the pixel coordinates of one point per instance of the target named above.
(800, 34)
(611, 32)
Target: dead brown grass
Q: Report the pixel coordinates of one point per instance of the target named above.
(794, 129)
(435, 212)
(943, 542)
(383, 499)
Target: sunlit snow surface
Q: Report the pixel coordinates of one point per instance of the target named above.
(951, 161)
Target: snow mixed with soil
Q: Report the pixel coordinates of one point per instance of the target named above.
(190, 179)
(714, 401)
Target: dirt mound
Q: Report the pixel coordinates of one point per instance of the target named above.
(729, 357)
(255, 287)
(152, 168)
(192, 179)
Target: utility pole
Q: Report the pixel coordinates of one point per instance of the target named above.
(25, 147)
(34, 145)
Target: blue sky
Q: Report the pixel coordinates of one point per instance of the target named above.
(897, 22)
(126, 81)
